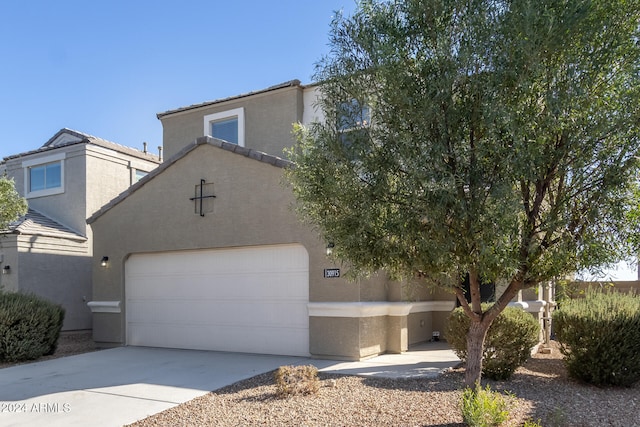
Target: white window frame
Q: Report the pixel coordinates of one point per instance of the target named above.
(134, 168)
(360, 111)
(28, 164)
(135, 177)
(225, 115)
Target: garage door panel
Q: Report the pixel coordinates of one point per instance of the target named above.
(269, 340)
(242, 299)
(177, 286)
(220, 313)
(223, 261)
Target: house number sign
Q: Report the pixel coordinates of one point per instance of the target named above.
(331, 272)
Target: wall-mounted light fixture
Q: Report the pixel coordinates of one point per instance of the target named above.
(105, 261)
(330, 247)
(6, 269)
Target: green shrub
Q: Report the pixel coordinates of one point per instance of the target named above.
(29, 327)
(508, 344)
(297, 380)
(483, 407)
(599, 336)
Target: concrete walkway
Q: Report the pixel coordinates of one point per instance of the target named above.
(422, 361)
(125, 384)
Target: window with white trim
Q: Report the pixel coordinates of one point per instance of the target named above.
(44, 176)
(353, 121)
(353, 115)
(226, 125)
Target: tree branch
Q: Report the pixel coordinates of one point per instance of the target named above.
(465, 305)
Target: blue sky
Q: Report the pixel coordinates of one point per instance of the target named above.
(107, 67)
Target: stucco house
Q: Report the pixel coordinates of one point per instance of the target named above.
(49, 251)
(206, 252)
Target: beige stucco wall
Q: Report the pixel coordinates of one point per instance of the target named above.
(342, 343)
(420, 327)
(357, 338)
(269, 119)
(252, 207)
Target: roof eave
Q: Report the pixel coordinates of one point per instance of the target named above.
(288, 84)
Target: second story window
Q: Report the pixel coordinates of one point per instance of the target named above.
(226, 130)
(44, 176)
(353, 122)
(226, 125)
(353, 115)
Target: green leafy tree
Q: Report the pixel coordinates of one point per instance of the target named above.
(494, 139)
(12, 206)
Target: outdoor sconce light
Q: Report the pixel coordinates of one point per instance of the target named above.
(105, 261)
(6, 269)
(330, 247)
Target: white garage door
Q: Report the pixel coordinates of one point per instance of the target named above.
(251, 299)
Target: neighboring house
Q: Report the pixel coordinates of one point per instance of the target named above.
(206, 252)
(49, 251)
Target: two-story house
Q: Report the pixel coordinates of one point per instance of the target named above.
(49, 251)
(206, 252)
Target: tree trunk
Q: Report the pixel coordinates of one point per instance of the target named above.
(475, 345)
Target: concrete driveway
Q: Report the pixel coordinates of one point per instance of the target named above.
(125, 384)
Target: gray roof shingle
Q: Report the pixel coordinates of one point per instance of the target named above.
(35, 223)
(290, 83)
(85, 138)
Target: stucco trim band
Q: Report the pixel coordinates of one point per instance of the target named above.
(104, 306)
(375, 308)
(429, 306)
(536, 306)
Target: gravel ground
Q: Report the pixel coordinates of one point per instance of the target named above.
(538, 391)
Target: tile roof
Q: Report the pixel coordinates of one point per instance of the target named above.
(85, 138)
(290, 83)
(35, 223)
(203, 140)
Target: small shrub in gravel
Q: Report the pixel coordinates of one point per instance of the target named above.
(29, 326)
(292, 380)
(507, 346)
(483, 407)
(599, 336)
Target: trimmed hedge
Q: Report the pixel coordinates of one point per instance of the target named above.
(508, 344)
(599, 336)
(29, 327)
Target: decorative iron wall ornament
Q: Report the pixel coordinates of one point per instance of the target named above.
(203, 192)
